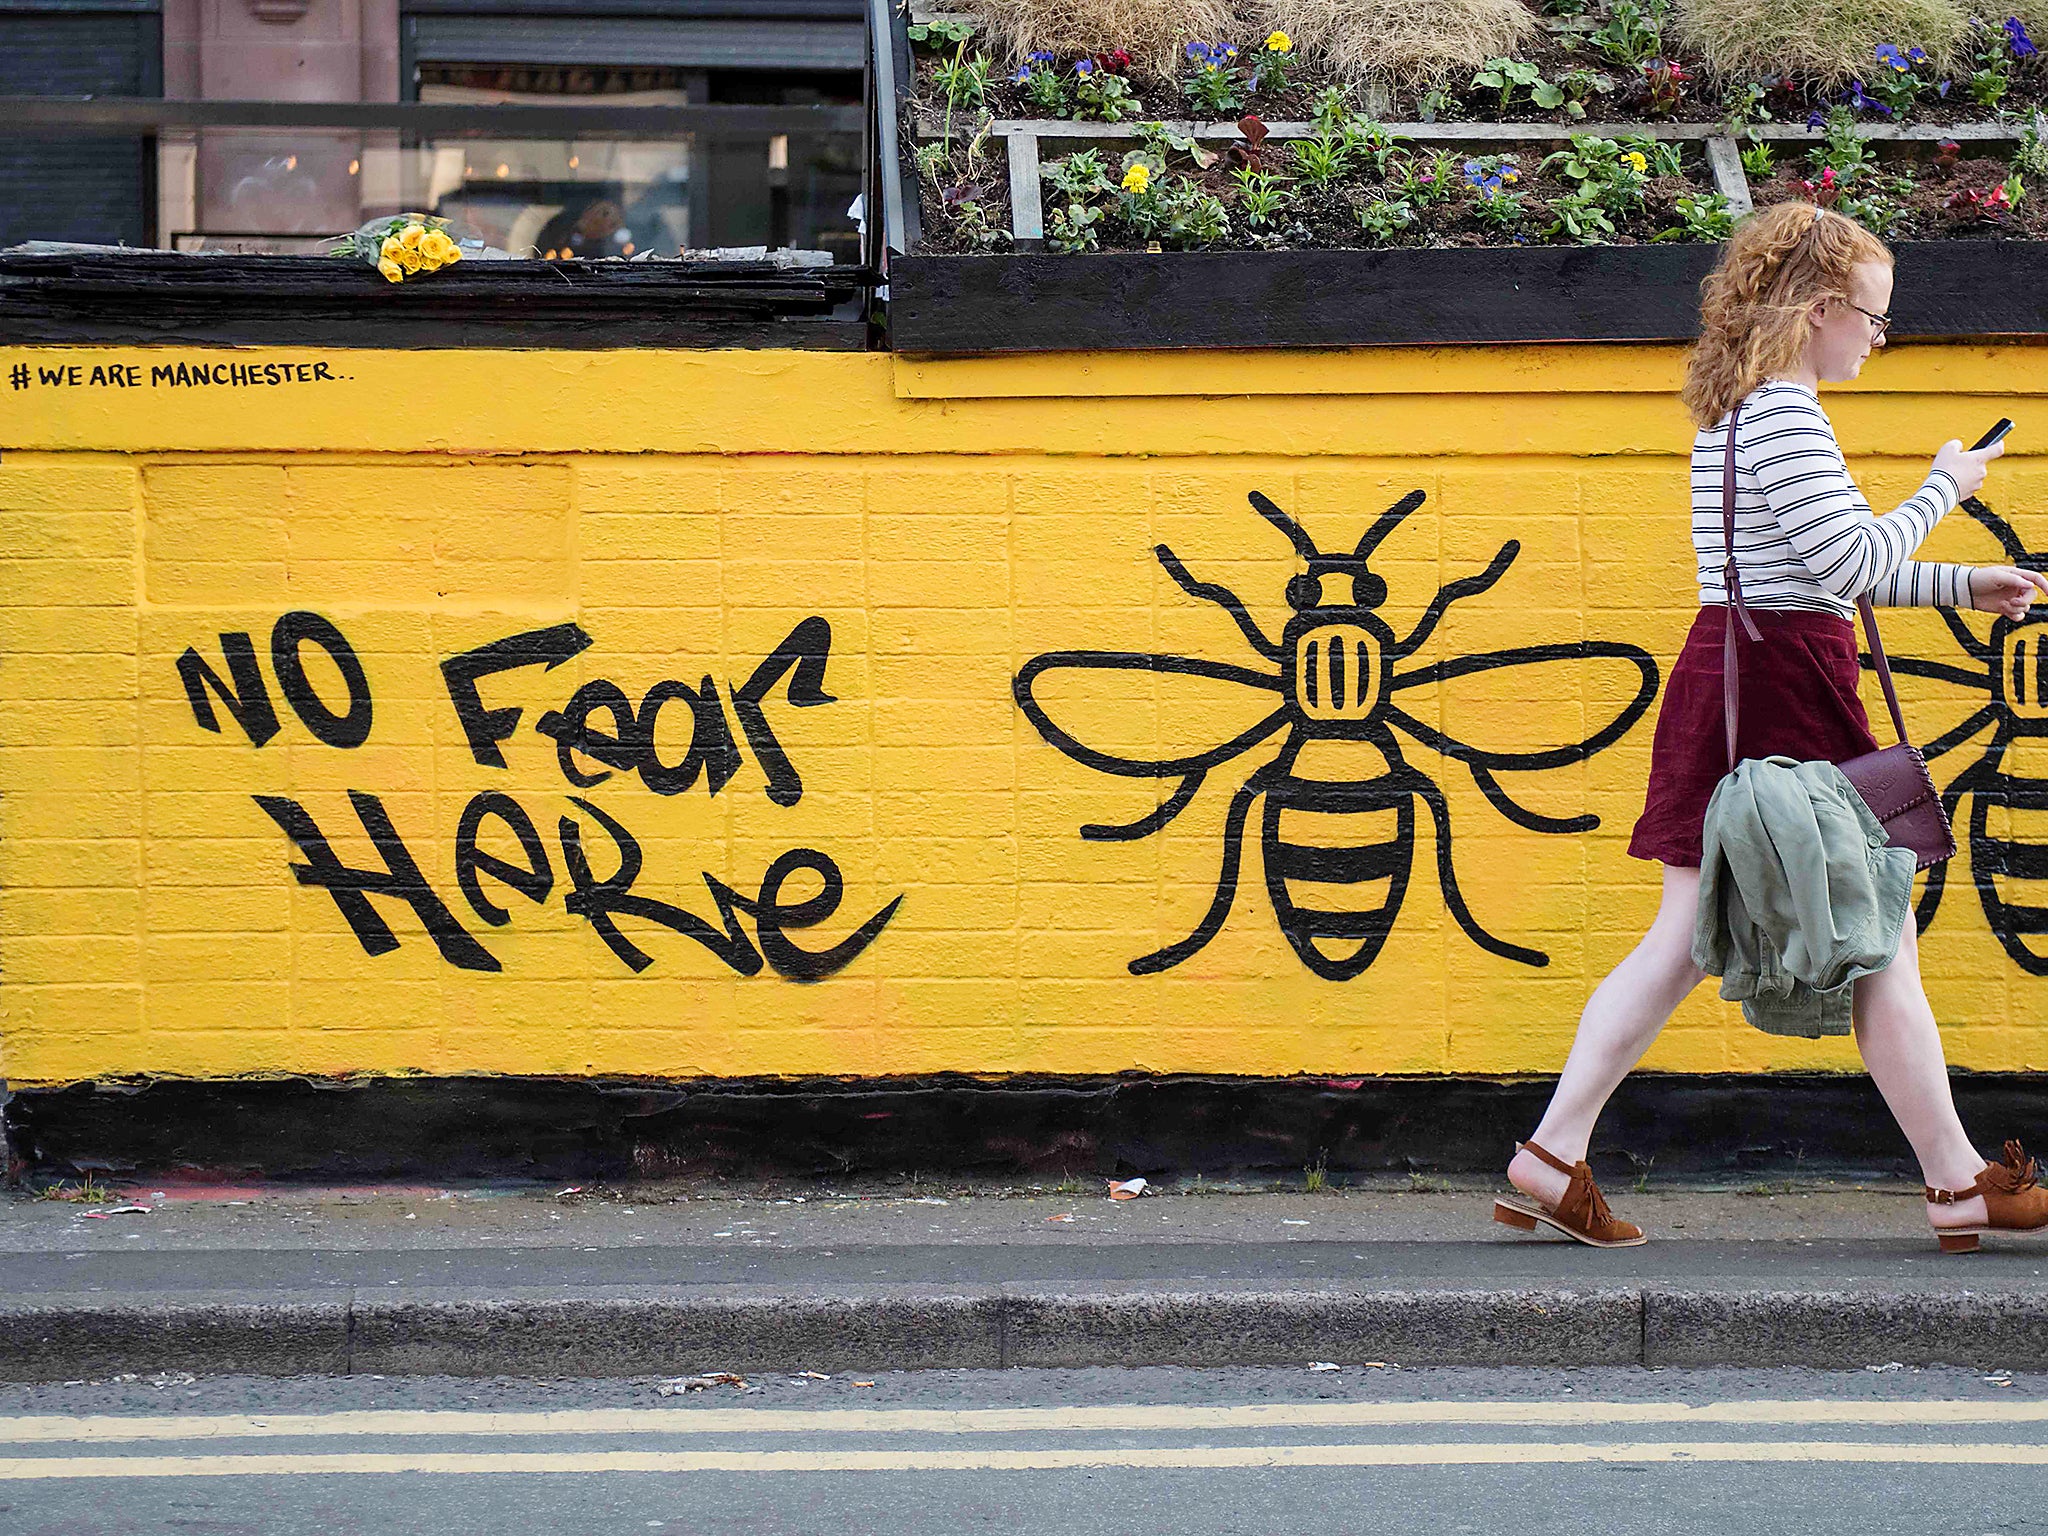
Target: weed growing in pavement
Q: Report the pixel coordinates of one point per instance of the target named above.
(1316, 1177)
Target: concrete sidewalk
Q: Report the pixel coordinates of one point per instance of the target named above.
(535, 1283)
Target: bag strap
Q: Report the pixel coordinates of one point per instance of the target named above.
(1731, 580)
(1731, 583)
(1884, 667)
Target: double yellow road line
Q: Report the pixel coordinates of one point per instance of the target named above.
(97, 1431)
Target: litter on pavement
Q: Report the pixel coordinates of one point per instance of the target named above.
(1129, 1189)
(704, 1383)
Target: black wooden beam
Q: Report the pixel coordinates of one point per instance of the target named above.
(1707, 1126)
(158, 298)
(958, 305)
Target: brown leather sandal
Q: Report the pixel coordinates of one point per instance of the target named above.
(2013, 1201)
(1581, 1215)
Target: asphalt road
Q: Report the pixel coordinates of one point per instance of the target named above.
(1356, 1450)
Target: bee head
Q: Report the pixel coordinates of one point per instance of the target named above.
(1335, 581)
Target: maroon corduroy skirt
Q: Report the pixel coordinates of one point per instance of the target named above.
(1799, 700)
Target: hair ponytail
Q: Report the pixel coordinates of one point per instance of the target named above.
(1756, 305)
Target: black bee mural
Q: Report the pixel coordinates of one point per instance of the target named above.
(1337, 836)
(2011, 667)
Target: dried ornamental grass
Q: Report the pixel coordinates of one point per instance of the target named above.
(1831, 40)
(1405, 39)
(1154, 32)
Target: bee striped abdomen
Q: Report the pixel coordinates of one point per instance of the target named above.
(1337, 866)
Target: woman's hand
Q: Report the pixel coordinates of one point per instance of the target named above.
(1967, 466)
(2005, 589)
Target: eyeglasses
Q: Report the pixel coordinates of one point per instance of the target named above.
(1879, 324)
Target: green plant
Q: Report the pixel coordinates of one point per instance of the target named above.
(1382, 218)
(1321, 161)
(1261, 194)
(1507, 76)
(1566, 9)
(1316, 1178)
(1330, 110)
(1757, 158)
(1841, 149)
(1580, 86)
(1579, 214)
(939, 34)
(1365, 139)
(1078, 177)
(1663, 157)
(1743, 107)
(931, 159)
(1434, 103)
(89, 1192)
(1491, 176)
(1873, 209)
(971, 219)
(1071, 228)
(1896, 80)
(1269, 63)
(1044, 88)
(1633, 33)
(1102, 95)
(2031, 158)
(1424, 182)
(1701, 216)
(1611, 173)
(1216, 82)
(964, 81)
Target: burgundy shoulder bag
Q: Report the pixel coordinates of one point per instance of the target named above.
(1893, 781)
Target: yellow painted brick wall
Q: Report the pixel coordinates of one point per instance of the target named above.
(950, 522)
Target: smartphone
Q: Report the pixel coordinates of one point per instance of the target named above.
(2003, 426)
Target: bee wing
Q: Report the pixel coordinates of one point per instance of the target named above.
(1195, 725)
(1635, 685)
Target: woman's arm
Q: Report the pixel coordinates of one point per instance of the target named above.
(1846, 548)
(1924, 584)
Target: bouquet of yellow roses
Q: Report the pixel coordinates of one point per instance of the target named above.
(402, 247)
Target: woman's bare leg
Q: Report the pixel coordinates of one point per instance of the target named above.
(1624, 1015)
(1901, 1045)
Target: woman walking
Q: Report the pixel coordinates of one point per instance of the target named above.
(1799, 299)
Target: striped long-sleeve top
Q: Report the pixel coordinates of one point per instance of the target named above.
(1804, 535)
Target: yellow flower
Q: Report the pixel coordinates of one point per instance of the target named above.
(1138, 177)
(390, 248)
(454, 255)
(393, 272)
(411, 236)
(1279, 42)
(408, 258)
(438, 248)
(1636, 160)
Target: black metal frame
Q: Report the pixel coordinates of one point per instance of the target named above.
(443, 120)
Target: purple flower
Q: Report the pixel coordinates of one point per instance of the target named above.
(1863, 103)
(1042, 56)
(2016, 34)
(1085, 68)
(1917, 54)
(1816, 118)
(1023, 74)
(1941, 90)
(1888, 53)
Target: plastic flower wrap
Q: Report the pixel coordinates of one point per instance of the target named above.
(404, 246)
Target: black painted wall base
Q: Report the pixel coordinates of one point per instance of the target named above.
(484, 1127)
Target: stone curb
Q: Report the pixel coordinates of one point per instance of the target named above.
(621, 1331)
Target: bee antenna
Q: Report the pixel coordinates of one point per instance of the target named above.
(1296, 534)
(1389, 520)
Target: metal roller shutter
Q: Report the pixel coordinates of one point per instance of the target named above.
(86, 189)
